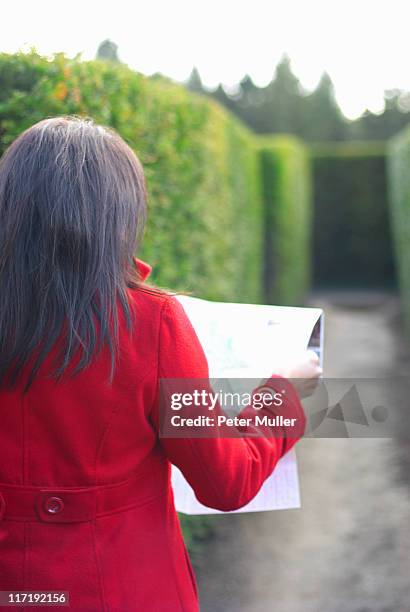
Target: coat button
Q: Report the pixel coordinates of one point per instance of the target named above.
(53, 505)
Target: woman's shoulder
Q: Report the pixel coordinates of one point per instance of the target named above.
(144, 293)
(157, 306)
(150, 297)
(154, 304)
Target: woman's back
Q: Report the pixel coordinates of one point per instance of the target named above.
(87, 506)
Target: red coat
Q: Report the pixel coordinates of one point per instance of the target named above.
(85, 498)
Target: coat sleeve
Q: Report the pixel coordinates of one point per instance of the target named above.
(224, 472)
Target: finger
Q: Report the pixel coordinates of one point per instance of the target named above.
(315, 358)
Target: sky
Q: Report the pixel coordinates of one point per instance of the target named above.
(361, 44)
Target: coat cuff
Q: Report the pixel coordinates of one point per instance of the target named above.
(292, 418)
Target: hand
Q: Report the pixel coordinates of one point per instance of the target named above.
(306, 372)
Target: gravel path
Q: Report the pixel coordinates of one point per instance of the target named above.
(348, 548)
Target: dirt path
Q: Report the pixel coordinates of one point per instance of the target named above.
(348, 548)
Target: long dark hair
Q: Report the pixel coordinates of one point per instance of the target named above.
(72, 212)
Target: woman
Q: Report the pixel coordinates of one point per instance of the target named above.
(85, 500)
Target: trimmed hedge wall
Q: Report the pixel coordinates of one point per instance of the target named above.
(286, 184)
(352, 242)
(200, 164)
(398, 165)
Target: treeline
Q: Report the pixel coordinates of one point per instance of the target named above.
(284, 107)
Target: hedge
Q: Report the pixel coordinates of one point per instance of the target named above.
(204, 230)
(351, 233)
(287, 192)
(398, 165)
(206, 227)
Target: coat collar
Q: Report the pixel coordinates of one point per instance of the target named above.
(144, 269)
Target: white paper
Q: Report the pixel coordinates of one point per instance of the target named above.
(245, 342)
(279, 492)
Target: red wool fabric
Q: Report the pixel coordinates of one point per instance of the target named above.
(86, 504)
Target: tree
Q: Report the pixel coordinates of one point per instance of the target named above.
(108, 51)
(283, 101)
(249, 104)
(381, 126)
(194, 82)
(323, 119)
(222, 97)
